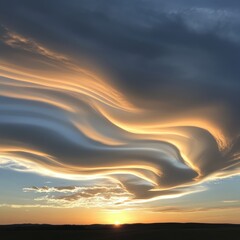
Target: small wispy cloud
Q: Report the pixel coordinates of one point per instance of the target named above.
(28, 206)
(46, 189)
(75, 196)
(18, 41)
(174, 209)
(231, 201)
(223, 22)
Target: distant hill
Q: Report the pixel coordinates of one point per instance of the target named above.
(138, 231)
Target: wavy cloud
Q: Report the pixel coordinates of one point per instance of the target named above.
(61, 120)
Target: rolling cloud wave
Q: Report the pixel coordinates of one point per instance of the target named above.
(67, 122)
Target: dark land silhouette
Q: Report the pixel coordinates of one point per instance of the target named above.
(154, 231)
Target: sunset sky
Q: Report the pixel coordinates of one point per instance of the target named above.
(119, 111)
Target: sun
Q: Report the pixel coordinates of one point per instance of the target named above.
(117, 223)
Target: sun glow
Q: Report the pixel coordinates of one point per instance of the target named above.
(117, 223)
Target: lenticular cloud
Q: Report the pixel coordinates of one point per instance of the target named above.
(69, 123)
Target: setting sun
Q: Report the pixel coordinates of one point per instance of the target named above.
(117, 224)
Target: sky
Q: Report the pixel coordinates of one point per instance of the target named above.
(119, 111)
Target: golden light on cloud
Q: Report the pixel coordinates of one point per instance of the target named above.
(67, 122)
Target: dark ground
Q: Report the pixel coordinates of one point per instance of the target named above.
(163, 231)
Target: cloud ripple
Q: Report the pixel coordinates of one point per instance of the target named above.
(61, 120)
